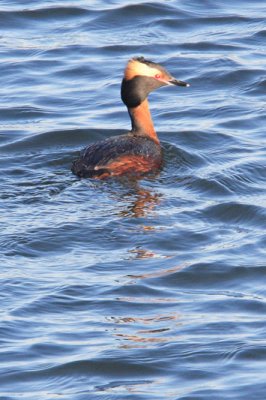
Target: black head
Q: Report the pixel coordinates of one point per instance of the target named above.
(142, 77)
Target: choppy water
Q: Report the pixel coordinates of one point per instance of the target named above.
(133, 290)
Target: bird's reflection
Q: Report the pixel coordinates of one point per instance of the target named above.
(141, 201)
(139, 253)
(130, 197)
(155, 329)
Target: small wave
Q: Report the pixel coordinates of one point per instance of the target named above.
(45, 13)
(236, 213)
(23, 112)
(53, 139)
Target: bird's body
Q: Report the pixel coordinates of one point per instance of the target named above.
(117, 156)
(138, 151)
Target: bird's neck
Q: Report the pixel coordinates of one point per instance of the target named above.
(141, 121)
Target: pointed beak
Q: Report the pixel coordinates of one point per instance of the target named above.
(176, 82)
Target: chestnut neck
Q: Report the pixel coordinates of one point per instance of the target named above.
(141, 121)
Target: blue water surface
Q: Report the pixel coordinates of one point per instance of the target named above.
(121, 289)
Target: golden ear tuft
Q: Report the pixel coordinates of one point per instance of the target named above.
(139, 66)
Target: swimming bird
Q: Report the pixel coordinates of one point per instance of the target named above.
(139, 151)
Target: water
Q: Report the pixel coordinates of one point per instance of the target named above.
(133, 290)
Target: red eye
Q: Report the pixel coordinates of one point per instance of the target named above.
(157, 76)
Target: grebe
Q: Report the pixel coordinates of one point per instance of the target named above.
(138, 151)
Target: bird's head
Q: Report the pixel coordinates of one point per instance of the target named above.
(142, 77)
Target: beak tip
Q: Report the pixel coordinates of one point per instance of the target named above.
(178, 83)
